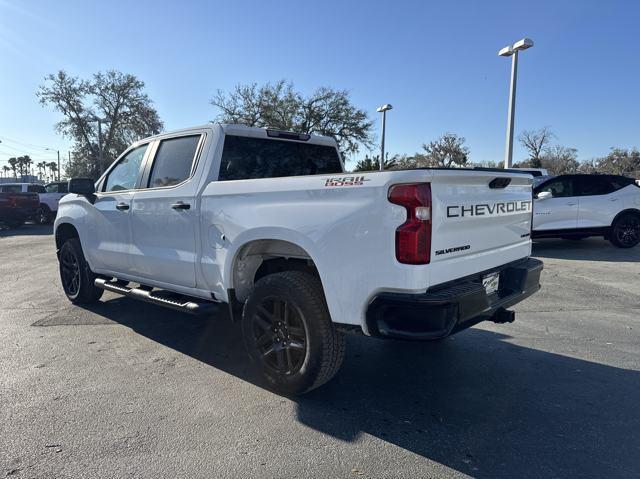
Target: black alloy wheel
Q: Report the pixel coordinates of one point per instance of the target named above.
(70, 271)
(626, 231)
(280, 335)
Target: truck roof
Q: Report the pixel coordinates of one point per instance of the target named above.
(255, 132)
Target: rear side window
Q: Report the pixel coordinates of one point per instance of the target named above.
(248, 158)
(12, 189)
(125, 174)
(36, 189)
(173, 162)
(595, 185)
(559, 187)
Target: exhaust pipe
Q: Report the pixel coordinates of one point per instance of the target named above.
(503, 316)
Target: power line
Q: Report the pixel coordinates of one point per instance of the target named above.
(32, 145)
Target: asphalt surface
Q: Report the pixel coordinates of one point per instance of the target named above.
(126, 389)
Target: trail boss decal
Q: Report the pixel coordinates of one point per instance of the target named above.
(345, 181)
(485, 209)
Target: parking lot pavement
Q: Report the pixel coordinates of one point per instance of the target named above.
(126, 389)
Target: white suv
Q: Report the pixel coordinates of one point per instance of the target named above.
(578, 206)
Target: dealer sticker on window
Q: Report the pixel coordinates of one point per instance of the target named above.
(491, 283)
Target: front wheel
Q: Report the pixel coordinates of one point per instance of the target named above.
(75, 274)
(44, 215)
(625, 231)
(288, 332)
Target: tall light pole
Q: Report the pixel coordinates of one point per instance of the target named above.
(512, 51)
(383, 109)
(100, 153)
(58, 151)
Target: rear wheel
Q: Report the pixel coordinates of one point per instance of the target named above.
(625, 231)
(77, 279)
(288, 332)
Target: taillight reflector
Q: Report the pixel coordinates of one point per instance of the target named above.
(413, 237)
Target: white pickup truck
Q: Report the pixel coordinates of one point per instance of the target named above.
(302, 252)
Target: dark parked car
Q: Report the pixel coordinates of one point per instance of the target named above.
(16, 208)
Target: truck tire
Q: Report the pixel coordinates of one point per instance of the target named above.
(76, 277)
(625, 230)
(289, 334)
(43, 216)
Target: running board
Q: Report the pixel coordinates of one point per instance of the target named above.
(186, 304)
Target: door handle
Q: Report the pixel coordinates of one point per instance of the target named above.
(571, 203)
(122, 206)
(613, 199)
(180, 206)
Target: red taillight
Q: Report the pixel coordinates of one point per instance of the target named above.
(413, 237)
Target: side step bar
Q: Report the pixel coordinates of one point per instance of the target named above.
(186, 304)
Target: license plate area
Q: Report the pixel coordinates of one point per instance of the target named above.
(491, 283)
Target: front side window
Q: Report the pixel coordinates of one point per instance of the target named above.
(559, 188)
(125, 173)
(56, 188)
(248, 158)
(173, 161)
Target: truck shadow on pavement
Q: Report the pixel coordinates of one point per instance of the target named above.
(475, 402)
(589, 249)
(26, 230)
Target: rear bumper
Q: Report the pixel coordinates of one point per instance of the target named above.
(15, 214)
(454, 306)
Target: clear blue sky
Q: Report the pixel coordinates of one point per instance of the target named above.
(436, 62)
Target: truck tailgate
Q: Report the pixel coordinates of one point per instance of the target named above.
(480, 220)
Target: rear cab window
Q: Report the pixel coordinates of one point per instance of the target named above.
(11, 189)
(36, 189)
(246, 158)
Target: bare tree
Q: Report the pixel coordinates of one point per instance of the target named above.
(113, 96)
(325, 112)
(447, 151)
(560, 160)
(536, 142)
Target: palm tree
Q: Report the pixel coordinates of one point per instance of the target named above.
(26, 159)
(53, 167)
(13, 162)
(6, 170)
(42, 169)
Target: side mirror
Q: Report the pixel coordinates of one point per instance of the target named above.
(81, 186)
(544, 195)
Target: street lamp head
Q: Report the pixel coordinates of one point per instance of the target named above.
(506, 51)
(523, 44)
(384, 107)
(516, 47)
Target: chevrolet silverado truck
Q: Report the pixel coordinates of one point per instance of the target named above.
(17, 207)
(269, 224)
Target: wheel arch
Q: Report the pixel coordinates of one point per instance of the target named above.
(634, 211)
(64, 232)
(258, 257)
